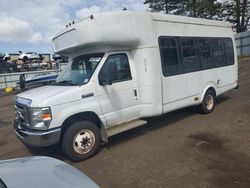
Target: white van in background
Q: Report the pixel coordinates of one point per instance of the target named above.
(126, 66)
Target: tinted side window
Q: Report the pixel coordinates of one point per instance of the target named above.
(205, 55)
(229, 51)
(218, 52)
(121, 70)
(169, 55)
(189, 58)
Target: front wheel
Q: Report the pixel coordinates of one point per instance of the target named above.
(208, 103)
(81, 140)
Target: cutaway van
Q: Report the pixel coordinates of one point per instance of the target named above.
(126, 66)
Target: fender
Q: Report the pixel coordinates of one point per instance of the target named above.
(206, 87)
(90, 116)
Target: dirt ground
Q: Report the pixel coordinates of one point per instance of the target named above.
(179, 149)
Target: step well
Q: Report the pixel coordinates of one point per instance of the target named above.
(124, 127)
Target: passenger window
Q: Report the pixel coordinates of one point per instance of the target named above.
(121, 70)
(169, 55)
(205, 55)
(229, 52)
(190, 62)
(218, 52)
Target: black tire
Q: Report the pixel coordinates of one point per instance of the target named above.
(25, 58)
(208, 103)
(79, 129)
(22, 81)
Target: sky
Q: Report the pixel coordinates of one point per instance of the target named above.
(30, 25)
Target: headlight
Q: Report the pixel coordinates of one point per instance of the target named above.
(40, 118)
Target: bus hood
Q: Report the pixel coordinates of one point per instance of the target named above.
(51, 95)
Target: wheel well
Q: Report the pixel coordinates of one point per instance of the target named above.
(89, 116)
(212, 89)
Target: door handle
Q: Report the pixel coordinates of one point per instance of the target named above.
(135, 94)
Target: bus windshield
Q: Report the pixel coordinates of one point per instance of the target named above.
(79, 70)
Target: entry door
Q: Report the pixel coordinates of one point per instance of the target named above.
(118, 101)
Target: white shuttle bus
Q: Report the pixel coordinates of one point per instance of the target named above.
(126, 66)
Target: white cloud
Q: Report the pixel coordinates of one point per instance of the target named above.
(37, 38)
(15, 31)
(86, 12)
(35, 21)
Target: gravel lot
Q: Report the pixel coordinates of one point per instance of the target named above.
(179, 149)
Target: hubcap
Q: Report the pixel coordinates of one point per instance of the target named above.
(84, 141)
(209, 102)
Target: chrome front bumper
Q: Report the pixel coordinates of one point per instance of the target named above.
(36, 138)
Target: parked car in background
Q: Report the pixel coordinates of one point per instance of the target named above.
(4, 56)
(56, 57)
(38, 64)
(40, 172)
(7, 67)
(29, 56)
(59, 57)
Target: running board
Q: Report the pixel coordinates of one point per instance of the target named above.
(124, 127)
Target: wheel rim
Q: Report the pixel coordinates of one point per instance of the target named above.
(209, 102)
(84, 141)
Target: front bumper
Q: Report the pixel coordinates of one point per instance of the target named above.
(36, 138)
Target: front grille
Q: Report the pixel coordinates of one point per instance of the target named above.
(21, 113)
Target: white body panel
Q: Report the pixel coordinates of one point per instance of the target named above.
(135, 34)
(117, 101)
(180, 90)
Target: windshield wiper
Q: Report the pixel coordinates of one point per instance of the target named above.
(69, 82)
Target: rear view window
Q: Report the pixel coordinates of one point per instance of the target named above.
(2, 185)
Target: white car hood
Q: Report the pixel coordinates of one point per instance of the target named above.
(51, 95)
(42, 172)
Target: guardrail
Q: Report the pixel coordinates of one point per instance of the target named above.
(11, 79)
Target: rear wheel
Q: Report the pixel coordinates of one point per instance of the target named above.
(81, 140)
(208, 103)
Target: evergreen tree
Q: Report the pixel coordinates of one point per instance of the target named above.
(165, 6)
(238, 13)
(235, 11)
(195, 8)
